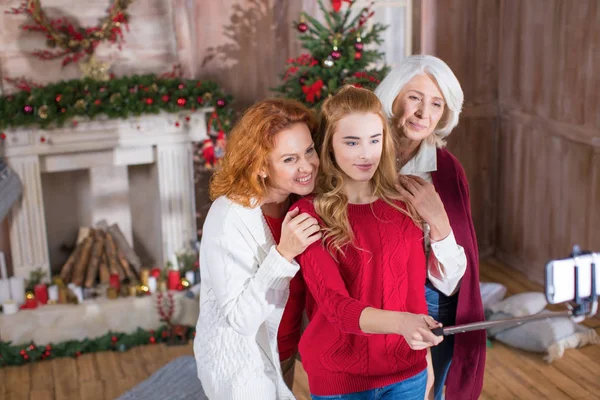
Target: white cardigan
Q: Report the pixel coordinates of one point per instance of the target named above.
(243, 291)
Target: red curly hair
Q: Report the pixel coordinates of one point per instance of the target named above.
(248, 146)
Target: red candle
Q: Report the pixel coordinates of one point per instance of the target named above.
(174, 279)
(41, 293)
(115, 282)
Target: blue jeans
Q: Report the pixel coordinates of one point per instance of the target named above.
(443, 309)
(409, 389)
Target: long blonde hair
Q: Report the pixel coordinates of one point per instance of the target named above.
(331, 203)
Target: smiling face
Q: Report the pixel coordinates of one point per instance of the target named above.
(293, 162)
(418, 108)
(357, 143)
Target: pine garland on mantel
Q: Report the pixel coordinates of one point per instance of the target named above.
(65, 102)
(11, 355)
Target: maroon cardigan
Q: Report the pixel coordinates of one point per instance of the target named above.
(465, 378)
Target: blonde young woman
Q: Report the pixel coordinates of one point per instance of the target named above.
(368, 331)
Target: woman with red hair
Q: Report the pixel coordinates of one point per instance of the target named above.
(248, 248)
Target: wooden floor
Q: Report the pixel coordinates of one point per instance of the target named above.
(510, 374)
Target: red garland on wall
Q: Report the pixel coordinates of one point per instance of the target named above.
(74, 41)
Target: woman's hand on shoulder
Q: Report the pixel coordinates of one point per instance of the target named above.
(427, 202)
(298, 231)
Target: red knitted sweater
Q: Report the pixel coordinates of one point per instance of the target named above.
(387, 273)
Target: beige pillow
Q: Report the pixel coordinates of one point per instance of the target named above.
(521, 305)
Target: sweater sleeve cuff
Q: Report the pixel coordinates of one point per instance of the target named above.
(275, 271)
(351, 317)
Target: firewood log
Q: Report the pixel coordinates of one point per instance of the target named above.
(97, 252)
(104, 274)
(82, 261)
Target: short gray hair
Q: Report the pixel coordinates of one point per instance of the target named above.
(411, 66)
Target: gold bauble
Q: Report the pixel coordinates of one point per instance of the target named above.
(80, 104)
(43, 112)
(207, 95)
(114, 97)
(185, 283)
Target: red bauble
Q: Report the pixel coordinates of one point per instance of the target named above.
(26, 357)
(181, 86)
(187, 118)
(165, 98)
(2, 135)
(336, 55)
(181, 102)
(149, 101)
(199, 99)
(302, 27)
(31, 347)
(23, 352)
(48, 347)
(114, 339)
(155, 272)
(152, 339)
(177, 124)
(358, 46)
(97, 102)
(58, 97)
(221, 103)
(42, 139)
(77, 353)
(357, 55)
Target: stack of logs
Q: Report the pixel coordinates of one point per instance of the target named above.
(100, 252)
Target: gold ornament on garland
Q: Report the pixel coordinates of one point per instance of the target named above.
(95, 69)
(43, 112)
(80, 104)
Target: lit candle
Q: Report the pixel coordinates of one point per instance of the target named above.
(17, 289)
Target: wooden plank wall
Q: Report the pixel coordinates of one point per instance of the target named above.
(549, 147)
(529, 137)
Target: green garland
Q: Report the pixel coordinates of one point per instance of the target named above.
(11, 355)
(56, 104)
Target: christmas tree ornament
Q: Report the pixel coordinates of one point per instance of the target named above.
(302, 27)
(43, 112)
(335, 54)
(357, 55)
(328, 62)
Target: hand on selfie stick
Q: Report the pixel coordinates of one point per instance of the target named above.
(297, 233)
(427, 202)
(416, 329)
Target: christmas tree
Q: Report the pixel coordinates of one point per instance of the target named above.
(339, 53)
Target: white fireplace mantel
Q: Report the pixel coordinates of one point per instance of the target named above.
(166, 193)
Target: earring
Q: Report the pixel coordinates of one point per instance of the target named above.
(263, 175)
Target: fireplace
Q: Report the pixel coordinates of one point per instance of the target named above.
(136, 172)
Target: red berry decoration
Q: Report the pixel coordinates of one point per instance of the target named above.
(75, 123)
(2, 136)
(23, 352)
(181, 102)
(26, 357)
(42, 139)
(358, 46)
(302, 27)
(114, 339)
(149, 101)
(187, 118)
(357, 55)
(165, 98)
(177, 124)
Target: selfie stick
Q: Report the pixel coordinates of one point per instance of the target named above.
(582, 307)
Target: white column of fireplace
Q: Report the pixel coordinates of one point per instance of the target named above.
(147, 159)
